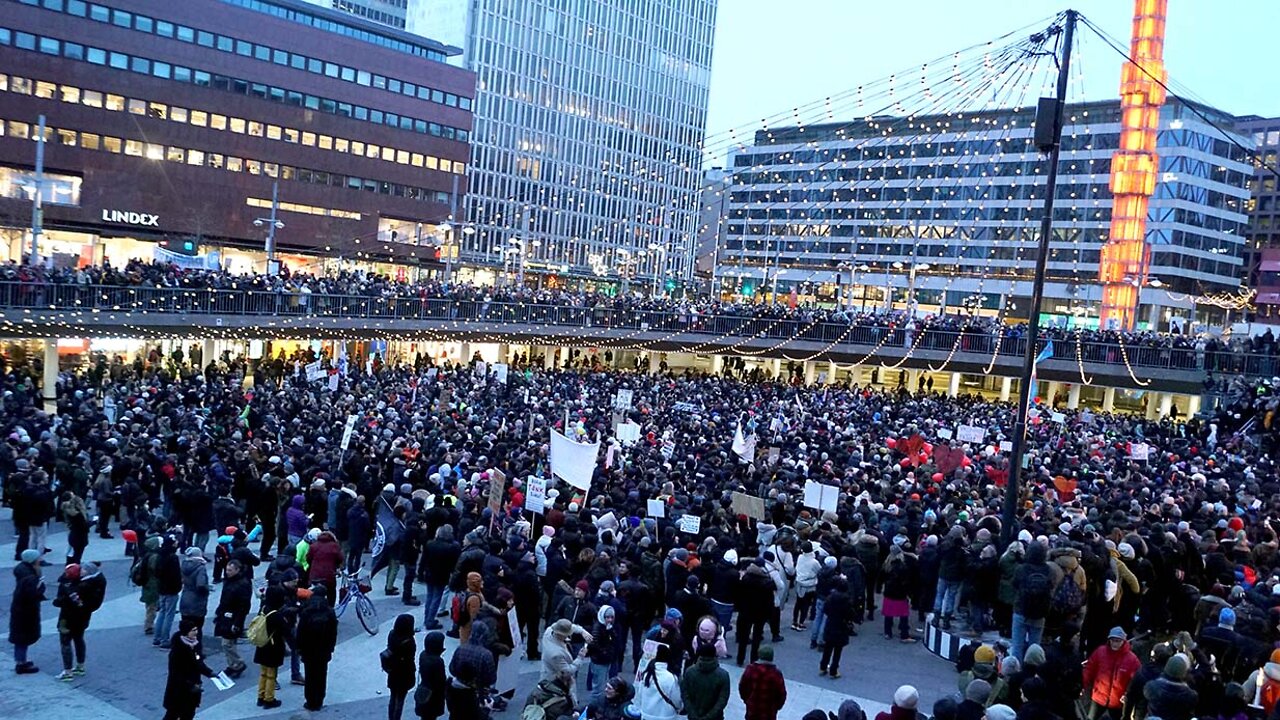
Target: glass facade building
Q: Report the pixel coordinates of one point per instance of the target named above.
(945, 211)
(588, 117)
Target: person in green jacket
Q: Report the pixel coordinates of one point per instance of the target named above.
(1008, 593)
(705, 687)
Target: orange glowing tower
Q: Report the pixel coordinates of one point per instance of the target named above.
(1123, 267)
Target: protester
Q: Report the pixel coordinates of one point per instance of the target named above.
(398, 663)
(317, 638)
(1107, 675)
(24, 610)
(234, 604)
(429, 696)
(762, 687)
(184, 688)
(81, 590)
(704, 687)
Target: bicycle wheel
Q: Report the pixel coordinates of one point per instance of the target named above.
(367, 613)
(341, 607)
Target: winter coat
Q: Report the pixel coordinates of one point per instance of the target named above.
(951, 559)
(317, 631)
(324, 557)
(556, 657)
(151, 571)
(651, 702)
(1108, 674)
(553, 697)
(602, 708)
(359, 527)
(233, 606)
(168, 572)
(604, 640)
(1009, 564)
(1170, 700)
(763, 690)
(24, 609)
(705, 689)
(438, 560)
(295, 517)
(89, 592)
(431, 678)
(755, 595)
(839, 612)
(184, 687)
(272, 654)
(807, 567)
(402, 674)
(475, 666)
(195, 588)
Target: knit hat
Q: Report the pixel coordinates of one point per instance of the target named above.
(1010, 667)
(606, 586)
(194, 552)
(1000, 712)
(906, 697)
(1125, 550)
(766, 653)
(583, 586)
(1034, 657)
(1177, 667)
(984, 654)
(1227, 618)
(978, 691)
(30, 556)
(72, 571)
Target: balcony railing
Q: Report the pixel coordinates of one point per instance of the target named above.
(1140, 354)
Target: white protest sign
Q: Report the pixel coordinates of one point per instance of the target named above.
(691, 524)
(347, 430)
(821, 497)
(500, 371)
(314, 371)
(628, 433)
(333, 382)
(970, 434)
(1006, 446)
(573, 462)
(944, 434)
(1058, 417)
(517, 640)
(482, 368)
(622, 400)
(1139, 451)
(656, 508)
(668, 448)
(535, 495)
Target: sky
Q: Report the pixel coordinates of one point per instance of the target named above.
(772, 56)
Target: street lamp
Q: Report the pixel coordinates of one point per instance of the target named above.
(659, 258)
(518, 247)
(272, 225)
(447, 246)
(911, 281)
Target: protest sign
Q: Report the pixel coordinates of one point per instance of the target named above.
(749, 505)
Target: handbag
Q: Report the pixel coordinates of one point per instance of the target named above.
(679, 710)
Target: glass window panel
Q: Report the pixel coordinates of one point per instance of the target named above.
(92, 98)
(199, 117)
(235, 164)
(255, 129)
(175, 154)
(237, 125)
(195, 157)
(90, 141)
(115, 102)
(218, 122)
(273, 132)
(158, 110)
(133, 147)
(45, 89)
(138, 107)
(324, 142)
(111, 144)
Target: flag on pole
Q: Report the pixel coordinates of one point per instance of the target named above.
(573, 462)
(388, 531)
(1045, 353)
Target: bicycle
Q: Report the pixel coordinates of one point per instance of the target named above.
(351, 589)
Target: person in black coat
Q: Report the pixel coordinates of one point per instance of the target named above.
(439, 557)
(398, 664)
(428, 699)
(229, 617)
(317, 637)
(755, 594)
(183, 690)
(24, 610)
(270, 657)
(835, 631)
(359, 527)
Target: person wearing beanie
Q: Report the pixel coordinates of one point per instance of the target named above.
(1154, 667)
(944, 709)
(984, 667)
(762, 687)
(1108, 672)
(81, 590)
(906, 699)
(1168, 696)
(1007, 686)
(194, 603)
(974, 704)
(24, 609)
(317, 637)
(1000, 712)
(704, 686)
(182, 690)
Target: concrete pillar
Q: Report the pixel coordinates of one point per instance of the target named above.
(1073, 397)
(209, 353)
(776, 367)
(548, 357)
(717, 364)
(1006, 388)
(810, 372)
(913, 380)
(1153, 406)
(655, 360)
(504, 352)
(464, 352)
(50, 384)
(1166, 404)
(953, 386)
(1052, 393)
(1109, 400)
(832, 368)
(1193, 405)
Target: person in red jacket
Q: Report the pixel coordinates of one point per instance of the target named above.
(324, 557)
(762, 688)
(1107, 674)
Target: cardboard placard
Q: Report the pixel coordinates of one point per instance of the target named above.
(497, 483)
(970, 434)
(691, 524)
(749, 505)
(1006, 446)
(1058, 417)
(517, 640)
(500, 371)
(944, 434)
(622, 399)
(655, 508)
(333, 382)
(1139, 451)
(347, 431)
(774, 455)
(314, 371)
(535, 494)
(628, 433)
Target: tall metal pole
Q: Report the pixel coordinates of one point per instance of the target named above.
(271, 228)
(1017, 456)
(37, 206)
(524, 246)
(452, 234)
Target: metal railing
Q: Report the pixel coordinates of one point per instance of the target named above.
(1140, 354)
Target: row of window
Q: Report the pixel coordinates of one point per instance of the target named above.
(201, 118)
(183, 74)
(217, 161)
(303, 209)
(245, 48)
(303, 17)
(395, 21)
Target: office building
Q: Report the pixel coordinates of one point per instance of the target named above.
(585, 163)
(1262, 242)
(933, 212)
(385, 12)
(169, 125)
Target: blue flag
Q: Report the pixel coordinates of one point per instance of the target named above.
(388, 530)
(1045, 353)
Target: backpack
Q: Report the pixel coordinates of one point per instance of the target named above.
(458, 610)
(138, 573)
(538, 711)
(1068, 598)
(1268, 694)
(257, 632)
(1037, 592)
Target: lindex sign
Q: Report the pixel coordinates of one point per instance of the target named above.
(129, 217)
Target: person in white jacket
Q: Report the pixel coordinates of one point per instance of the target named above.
(658, 690)
(776, 573)
(807, 567)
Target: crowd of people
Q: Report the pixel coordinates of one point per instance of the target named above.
(631, 611)
(301, 292)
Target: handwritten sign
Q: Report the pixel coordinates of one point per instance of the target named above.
(691, 524)
(821, 497)
(944, 434)
(749, 505)
(1139, 451)
(970, 434)
(535, 495)
(622, 399)
(655, 508)
(347, 431)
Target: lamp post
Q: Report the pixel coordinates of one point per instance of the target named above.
(518, 248)
(864, 269)
(447, 245)
(37, 204)
(659, 262)
(272, 225)
(911, 281)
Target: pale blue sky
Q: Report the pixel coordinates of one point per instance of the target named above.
(773, 55)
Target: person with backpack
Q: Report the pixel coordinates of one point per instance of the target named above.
(550, 699)
(143, 573)
(267, 634)
(1034, 582)
(81, 590)
(1070, 587)
(428, 698)
(398, 663)
(233, 608)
